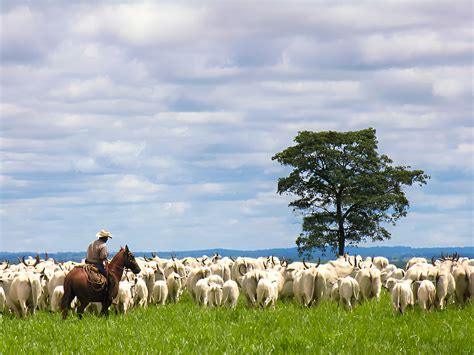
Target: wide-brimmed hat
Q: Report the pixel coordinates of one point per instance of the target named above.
(104, 234)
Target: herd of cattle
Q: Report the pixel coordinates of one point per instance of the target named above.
(36, 283)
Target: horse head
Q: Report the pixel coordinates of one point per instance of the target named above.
(129, 260)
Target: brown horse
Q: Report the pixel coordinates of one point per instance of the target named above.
(76, 284)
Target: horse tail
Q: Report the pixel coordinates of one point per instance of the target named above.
(68, 294)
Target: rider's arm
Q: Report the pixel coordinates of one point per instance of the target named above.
(103, 253)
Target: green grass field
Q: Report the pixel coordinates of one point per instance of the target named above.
(289, 328)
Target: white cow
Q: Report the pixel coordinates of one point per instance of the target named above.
(160, 292)
(309, 286)
(461, 274)
(175, 286)
(148, 275)
(249, 285)
(140, 296)
(202, 292)
(414, 261)
(230, 292)
(267, 293)
(369, 282)
(193, 278)
(56, 298)
(402, 295)
(24, 292)
(124, 299)
(242, 266)
(445, 286)
(174, 265)
(57, 279)
(221, 269)
(348, 291)
(215, 294)
(380, 262)
(426, 294)
(215, 279)
(334, 292)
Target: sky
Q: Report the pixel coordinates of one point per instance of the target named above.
(157, 120)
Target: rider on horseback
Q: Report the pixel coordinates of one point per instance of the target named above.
(97, 254)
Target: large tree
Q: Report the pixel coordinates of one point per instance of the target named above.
(347, 192)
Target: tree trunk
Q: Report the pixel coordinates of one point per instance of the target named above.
(341, 240)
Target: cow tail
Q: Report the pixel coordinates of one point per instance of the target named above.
(370, 284)
(35, 290)
(315, 284)
(354, 291)
(398, 300)
(312, 292)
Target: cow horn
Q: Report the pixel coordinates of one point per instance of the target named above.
(153, 255)
(172, 257)
(433, 261)
(23, 260)
(319, 261)
(349, 261)
(273, 260)
(37, 260)
(202, 262)
(304, 263)
(231, 258)
(146, 259)
(19, 260)
(46, 256)
(240, 271)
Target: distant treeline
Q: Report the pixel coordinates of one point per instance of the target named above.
(394, 254)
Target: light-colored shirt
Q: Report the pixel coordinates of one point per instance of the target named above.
(97, 252)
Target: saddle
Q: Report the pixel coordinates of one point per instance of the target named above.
(95, 279)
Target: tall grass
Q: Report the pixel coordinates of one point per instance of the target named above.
(289, 328)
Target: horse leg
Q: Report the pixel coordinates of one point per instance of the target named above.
(105, 308)
(80, 309)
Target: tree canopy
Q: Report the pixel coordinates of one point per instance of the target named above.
(346, 192)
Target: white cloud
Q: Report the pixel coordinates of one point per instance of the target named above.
(403, 47)
(143, 24)
(88, 88)
(7, 182)
(201, 117)
(86, 165)
(450, 88)
(176, 208)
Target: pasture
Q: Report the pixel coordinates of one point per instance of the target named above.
(371, 327)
